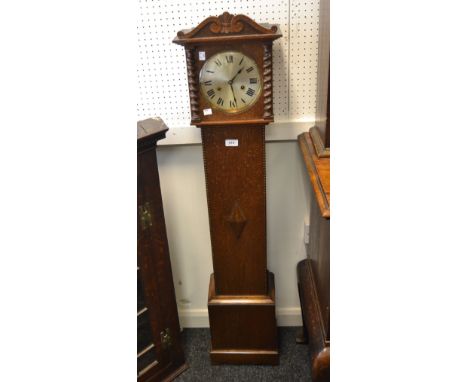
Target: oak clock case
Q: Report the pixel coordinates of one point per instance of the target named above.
(229, 61)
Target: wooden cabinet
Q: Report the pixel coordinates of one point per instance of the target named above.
(314, 272)
(160, 355)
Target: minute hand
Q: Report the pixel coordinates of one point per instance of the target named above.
(233, 78)
(232, 89)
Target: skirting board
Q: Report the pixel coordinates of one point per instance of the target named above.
(198, 318)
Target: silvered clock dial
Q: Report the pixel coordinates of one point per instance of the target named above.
(230, 81)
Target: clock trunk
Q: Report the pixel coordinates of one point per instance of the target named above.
(235, 187)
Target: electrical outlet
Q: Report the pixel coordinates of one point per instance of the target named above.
(306, 232)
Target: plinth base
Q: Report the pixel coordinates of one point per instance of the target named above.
(243, 328)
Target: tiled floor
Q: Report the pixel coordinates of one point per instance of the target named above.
(294, 361)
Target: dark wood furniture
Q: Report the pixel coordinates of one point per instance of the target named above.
(241, 297)
(314, 273)
(160, 355)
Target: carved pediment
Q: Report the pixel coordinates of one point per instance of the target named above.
(227, 25)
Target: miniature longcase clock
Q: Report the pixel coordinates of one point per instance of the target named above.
(229, 67)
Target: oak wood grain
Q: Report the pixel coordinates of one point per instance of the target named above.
(235, 178)
(318, 170)
(243, 330)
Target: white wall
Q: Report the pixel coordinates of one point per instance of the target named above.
(185, 207)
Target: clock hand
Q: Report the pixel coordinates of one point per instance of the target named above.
(233, 93)
(233, 78)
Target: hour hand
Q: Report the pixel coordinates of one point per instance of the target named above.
(233, 78)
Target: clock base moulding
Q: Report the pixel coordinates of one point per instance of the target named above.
(243, 328)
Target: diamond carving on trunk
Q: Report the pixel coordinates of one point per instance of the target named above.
(237, 220)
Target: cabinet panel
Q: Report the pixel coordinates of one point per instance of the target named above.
(160, 356)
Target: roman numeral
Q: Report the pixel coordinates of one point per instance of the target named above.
(233, 103)
(209, 71)
(249, 69)
(209, 83)
(243, 100)
(229, 59)
(242, 59)
(253, 80)
(250, 92)
(217, 62)
(220, 101)
(211, 93)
